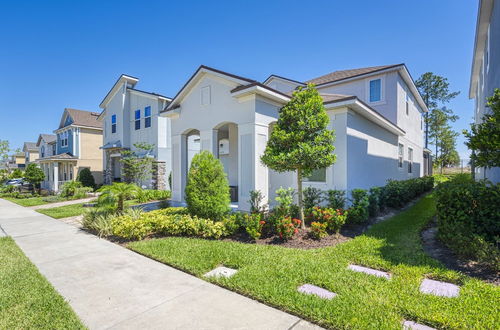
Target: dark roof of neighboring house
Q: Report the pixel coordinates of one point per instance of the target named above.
(345, 74)
(49, 138)
(84, 118)
(29, 145)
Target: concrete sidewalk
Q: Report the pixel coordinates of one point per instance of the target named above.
(109, 286)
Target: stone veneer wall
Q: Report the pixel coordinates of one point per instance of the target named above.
(158, 176)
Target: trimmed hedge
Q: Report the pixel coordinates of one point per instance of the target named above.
(468, 215)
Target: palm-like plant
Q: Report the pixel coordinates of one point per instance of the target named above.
(118, 192)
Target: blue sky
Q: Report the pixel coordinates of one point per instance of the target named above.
(57, 54)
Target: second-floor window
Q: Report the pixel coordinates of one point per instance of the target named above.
(54, 149)
(407, 104)
(400, 155)
(375, 90)
(137, 119)
(113, 124)
(410, 160)
(147, 117)
(43, 151)
(64, 138)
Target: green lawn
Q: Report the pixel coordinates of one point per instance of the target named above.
(272, 274)
(32, 201)
(64, 211)
(27, 299)
(72, 210)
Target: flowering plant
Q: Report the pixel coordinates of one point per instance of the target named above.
(318, 230)
(253, 225)
(334, 218)
(287, 227)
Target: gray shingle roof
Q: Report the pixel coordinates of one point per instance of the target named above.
(49, 138)
(84, 118)
(344, 74)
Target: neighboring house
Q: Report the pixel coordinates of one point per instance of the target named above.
(376, 113)
(130, 116)
(77, 143)
(485, 75)
(17, 160)
(47, 145)
(30, 152)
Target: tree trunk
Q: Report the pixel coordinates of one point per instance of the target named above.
(301, 204)
(120, 204)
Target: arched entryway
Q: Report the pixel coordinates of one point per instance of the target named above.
(227, 152)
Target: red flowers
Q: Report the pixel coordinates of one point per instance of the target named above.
(287, 227)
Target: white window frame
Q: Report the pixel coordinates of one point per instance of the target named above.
(401, 155)
(407, 108)
(410, 160)
(205, 95)
(146, 117)
(382, 90)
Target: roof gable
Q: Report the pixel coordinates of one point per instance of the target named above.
(80, 118)
(346, 74)
(123, 79)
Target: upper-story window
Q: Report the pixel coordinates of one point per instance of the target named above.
(53, 149)
(147, 117)
(64, 138)
(400, 155)
(375, 90)
(407, 104)
(113, 124)
(137, 119)
(410, 160)
(43, 151)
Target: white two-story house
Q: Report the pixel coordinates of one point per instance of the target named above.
(485, 73)
(376, 113)
(130, 116)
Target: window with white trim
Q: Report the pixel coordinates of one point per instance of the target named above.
(410, 160)
(43, 151)
(147, 117)
(375, 90)
(137, 119)
(400, 155)
(318, 175)
(113, 124)
(407, 104)
(205, 95)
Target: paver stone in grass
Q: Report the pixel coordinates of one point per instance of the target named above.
(439, 288)
(410, 325)
(369, 271)
(221, 271)
(316, 290)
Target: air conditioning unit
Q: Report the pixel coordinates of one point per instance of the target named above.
(224, 147)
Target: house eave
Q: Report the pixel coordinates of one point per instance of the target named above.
(262, 91)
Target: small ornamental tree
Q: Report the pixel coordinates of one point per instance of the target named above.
(137, 165)
(484, 138)
(86, 178)
(300, 141)
(207, 188)
(34, 175)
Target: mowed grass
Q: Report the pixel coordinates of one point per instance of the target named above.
(27, 299)
(64, 211)
(272, 274)
(32, 201)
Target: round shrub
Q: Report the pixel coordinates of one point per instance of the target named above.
(86, 178)
(207, 189)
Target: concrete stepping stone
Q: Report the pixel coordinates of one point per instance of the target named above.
(410, 325)
(316, 290)
(221, 271)
(369, 271)
(439, 288)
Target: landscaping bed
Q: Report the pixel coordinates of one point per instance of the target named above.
(27, 300)
(272, 275)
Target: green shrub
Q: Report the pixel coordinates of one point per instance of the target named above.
(318, 230)
(399, 193)
(336, 199)
(256, 205)
(468, 217)
(16, 174)
(207, 189)
(146, 195)
(69, 188)
(170, 222)
(358, 212)
(86, 178)
(312, 197)
(82, 192)
(286, 227)
(374, 199)
(334, 219)
(98, 220)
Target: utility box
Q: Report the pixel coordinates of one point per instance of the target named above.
(224, 147)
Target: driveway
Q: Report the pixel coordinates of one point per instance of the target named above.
(109, 286)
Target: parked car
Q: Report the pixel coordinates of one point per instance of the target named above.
(20, 184)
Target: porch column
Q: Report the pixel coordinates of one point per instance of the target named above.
(56, 176)
(209, 141)
(179, 166)
(252, 174)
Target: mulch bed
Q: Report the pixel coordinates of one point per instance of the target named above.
(437, 250)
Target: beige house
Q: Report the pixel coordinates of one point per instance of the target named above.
(30, 152)
(77, 143)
